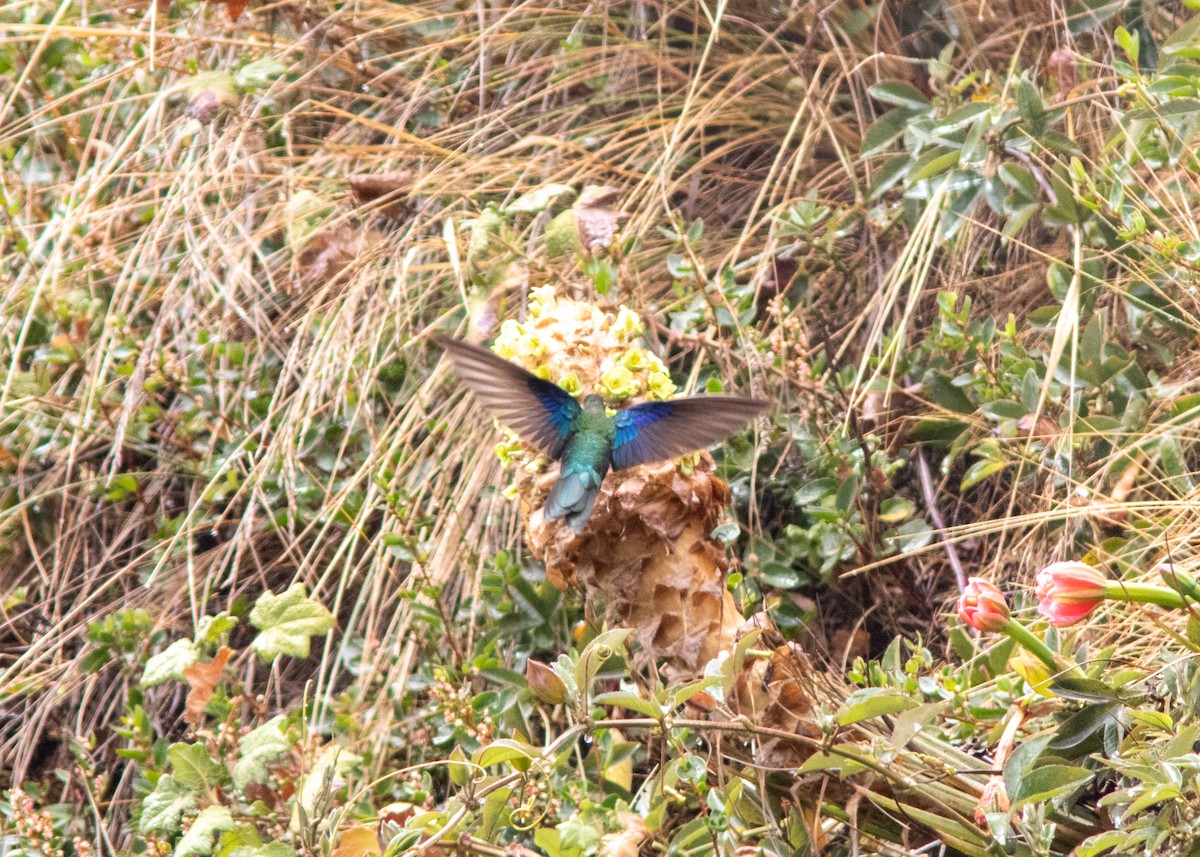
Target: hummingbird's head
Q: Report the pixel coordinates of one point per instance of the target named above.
(593, 404)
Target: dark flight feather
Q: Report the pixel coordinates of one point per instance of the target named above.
(542, 413)
(656, 431)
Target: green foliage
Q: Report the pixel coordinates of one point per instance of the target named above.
(286, 622)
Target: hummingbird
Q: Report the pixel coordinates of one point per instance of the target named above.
(582, 436)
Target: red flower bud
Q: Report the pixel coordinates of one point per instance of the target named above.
(982, 606)
(1068, 591)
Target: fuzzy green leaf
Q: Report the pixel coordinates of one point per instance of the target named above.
(285, 622)
(899, 92)
(201, 837)
(264, 744)
(212, 629)
(193, 767)
(162, 808)
(169, 663)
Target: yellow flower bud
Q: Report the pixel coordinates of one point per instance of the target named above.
(508, 342)
(541, 299)
(660, 385)
(618, 383)
(628, 323)
(634, 360)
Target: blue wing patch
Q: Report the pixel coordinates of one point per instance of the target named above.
(635, 442)
(559, 405)
(658, 431)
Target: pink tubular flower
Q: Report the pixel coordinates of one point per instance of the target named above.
(982, 606)
(1068, 591)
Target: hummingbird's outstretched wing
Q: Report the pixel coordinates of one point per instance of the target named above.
(656, 431)
(540, 412)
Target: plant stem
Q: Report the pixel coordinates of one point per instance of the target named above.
(1026, 639)
(1144, 593)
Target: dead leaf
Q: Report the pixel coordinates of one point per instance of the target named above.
(1121, 491)
(595, 222)
(1037, 426)
(329, 253)
(1061, 66)
(625, 843)
(395, 186)
(203, 678)
(849, 645)
(595, 196)
(233, 8)
(357, 841)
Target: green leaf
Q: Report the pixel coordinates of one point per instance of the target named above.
(779, 576)
(256, 749)
(896, 509)
(599, 650)
(1083, 724)
(539, 199)
(169, 663)
(495, 811)
(900, 93)
(1085, 690)
(632, 701)
(201, 837)
(1185, 41)
(549, 839)
(212, 629)
(910, 722)
(1153, 795)
(981, 470)
(873, 702)
(962, 116)
(506, 750)
(1045, 783)
(934, 163)
(193, 767)
(1085, 15)
(259, 74)
(884, 130)
(677, 696)
(286, 622)
(162, 808)
(1101, 842)
(887, 175)
(1030, 106)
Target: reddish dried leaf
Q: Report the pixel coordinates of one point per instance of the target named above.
(396, 185)
(1037, 426)
(203, 678)
(233, 8)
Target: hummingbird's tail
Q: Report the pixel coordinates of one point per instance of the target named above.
(573, 496)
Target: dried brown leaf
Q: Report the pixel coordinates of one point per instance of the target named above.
(395, 186)
(203, 678)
